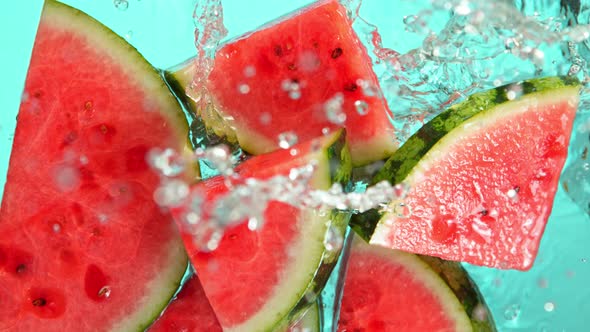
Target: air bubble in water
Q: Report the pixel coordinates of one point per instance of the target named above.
(253, 223)
(56, 228)
(121, 5)
(361, 107)
(512, 312)
(287, 139)
(333, 109)
(129, 35)
(549, 306)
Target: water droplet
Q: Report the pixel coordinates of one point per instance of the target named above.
(402, 210)
(265, 118)
(244, 88)
(512, 193)
(171, 193)
(296, 94)
(287, 139)
(514, 91)
(253, 223)
(361, 107)
(121, 5)
(480, 313)
(333, 239)
(549, 306)
(249, 71)
(333, 109)
(512, 312)
(168, 162)
(56, 228)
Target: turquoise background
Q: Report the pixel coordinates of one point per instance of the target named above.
(163, 31)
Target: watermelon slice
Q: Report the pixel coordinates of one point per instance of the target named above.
(191, 311)
(298, 77)
(482, 177)
(259, 280)
(83, 246)
(389, 290)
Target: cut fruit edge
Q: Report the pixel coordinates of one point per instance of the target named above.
(305, 275)
(448, 281)
(433, 141)
(167, 281)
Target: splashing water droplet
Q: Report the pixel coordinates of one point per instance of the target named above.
(361, 107)
(512, 312)
(287, 139)
(171, 193)
(333, 109)
(218, 157)
(121, 5)
(167, 162)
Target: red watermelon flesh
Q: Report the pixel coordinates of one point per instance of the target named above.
(254, 279)
(280, 78)
(389, 290)
(83, 246)
(190, 311)
(484, 192)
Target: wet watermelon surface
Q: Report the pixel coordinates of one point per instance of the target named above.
(83, 246)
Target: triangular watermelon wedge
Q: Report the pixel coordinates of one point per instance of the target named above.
(259, 280)
(83, 245)
(299, 77)
(482, 177)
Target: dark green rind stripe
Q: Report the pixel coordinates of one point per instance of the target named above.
(399, 165)
(455, 276)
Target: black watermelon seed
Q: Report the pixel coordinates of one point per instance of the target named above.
(337, 52)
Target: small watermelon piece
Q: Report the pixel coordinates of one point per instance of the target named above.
(482, 176)
(280, 79)
(83, 246)
(260, 280)
(191, 311)
(390, 290)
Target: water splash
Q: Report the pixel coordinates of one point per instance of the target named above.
(209, 31)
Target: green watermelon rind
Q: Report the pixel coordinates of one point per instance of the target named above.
(165, 286)
(416, 149)
(333, 164)
(466, 291)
